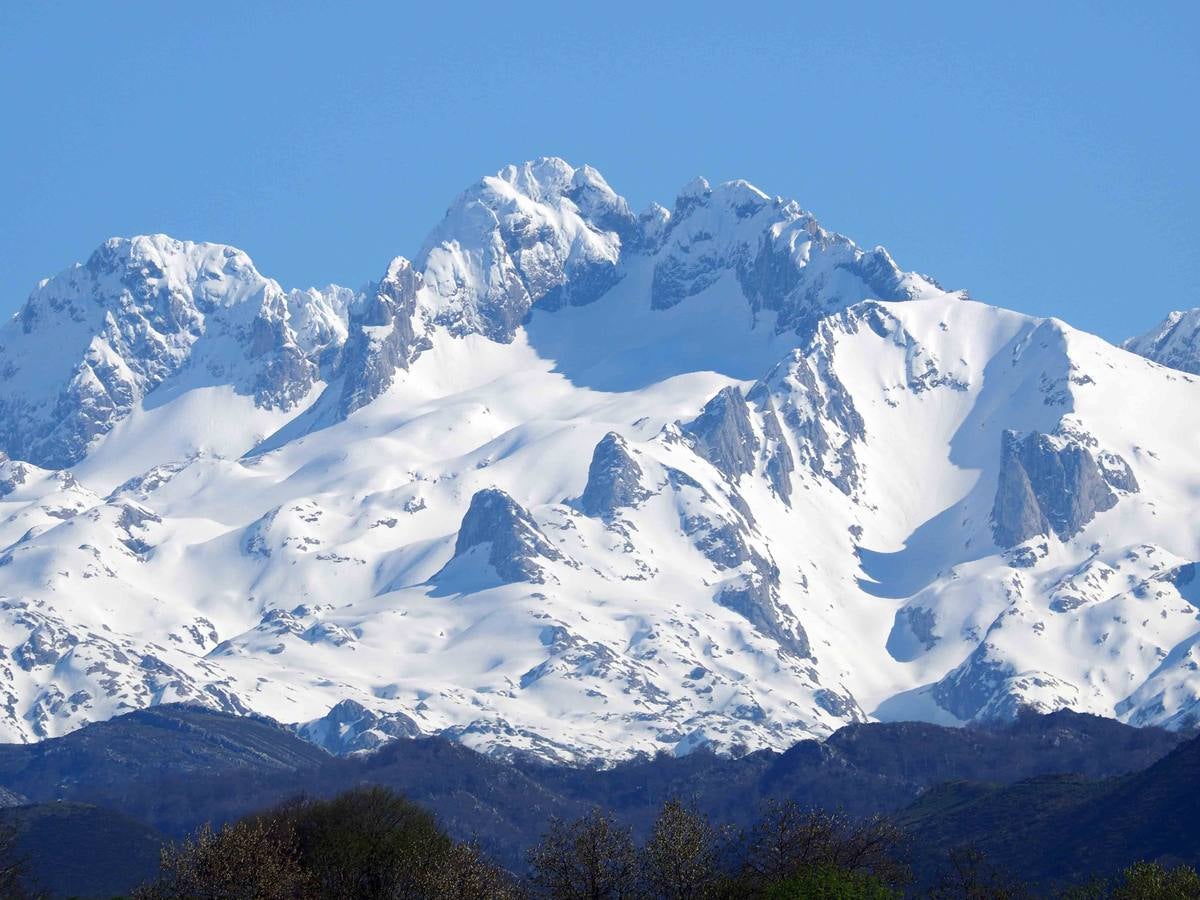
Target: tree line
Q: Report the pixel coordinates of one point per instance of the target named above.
(372, 844)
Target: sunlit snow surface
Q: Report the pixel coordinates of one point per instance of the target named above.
(178, 561)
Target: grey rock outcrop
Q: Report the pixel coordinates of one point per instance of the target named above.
(723, 433)
(780, 463)
(773, 281)
(614, 479)
(818, 411)
(515, 543)
(752, 583)
(756, 599)
(987, 687)
(1016, 514)
(381, 338)
(1116, 472)
(12, 474)
(1050, 484)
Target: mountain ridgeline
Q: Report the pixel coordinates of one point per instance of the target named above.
(577, 483)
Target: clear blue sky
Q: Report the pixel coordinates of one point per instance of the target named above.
(1042, 155)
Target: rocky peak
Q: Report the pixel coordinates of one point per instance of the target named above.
(515, 544)
(614, 479)
(545, 179)
(1175, 342)
(653, 222)
(600, 205)
(92, 342)
(541, 233)
(785, 263)
(545, 234)
(13, 474)
(381, 339)
(693, 194)
(319, 319)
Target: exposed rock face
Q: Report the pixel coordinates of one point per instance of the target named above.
(923, 370)
(723, 434)
(614, 479)
(381, 338)
(820, 414)
(1182, 576)
(350, 727)
(1116, 472)
(1052, 484)
(780, 462)
(750, 579)
(914, 632)
(1016, 514)
(514, 540)
(12, 474)
(757, 599)
(987, 688)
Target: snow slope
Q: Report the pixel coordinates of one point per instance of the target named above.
(585, 483)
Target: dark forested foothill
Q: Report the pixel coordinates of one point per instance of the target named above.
(873, 810)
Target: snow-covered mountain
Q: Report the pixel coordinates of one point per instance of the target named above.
(1175, 342)
(585, 483)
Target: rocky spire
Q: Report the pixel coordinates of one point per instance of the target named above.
(614, 479)
(515, 544)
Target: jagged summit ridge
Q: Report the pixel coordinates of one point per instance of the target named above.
(548, 235)
(784, 261)
(152, 313)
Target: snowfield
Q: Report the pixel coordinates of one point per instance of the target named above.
(585, 484)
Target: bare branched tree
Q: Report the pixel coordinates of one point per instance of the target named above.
(592, 858)
(681, 861)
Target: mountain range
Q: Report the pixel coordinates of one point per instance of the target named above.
(582, 484)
